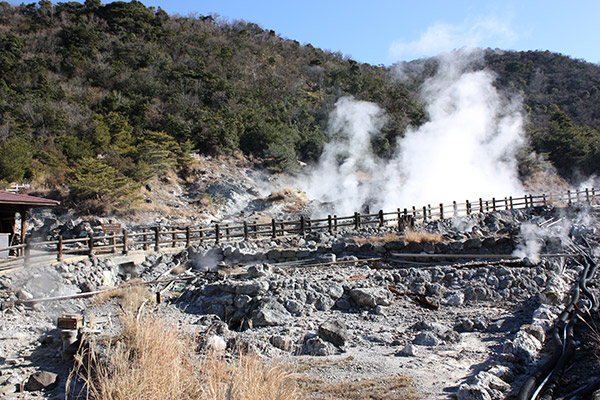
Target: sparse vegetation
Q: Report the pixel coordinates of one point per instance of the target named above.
(421, 236)
(151, 359)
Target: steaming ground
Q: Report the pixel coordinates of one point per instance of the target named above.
(484, 334)
(466, 150)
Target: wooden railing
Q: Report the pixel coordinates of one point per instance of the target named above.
(157, 237)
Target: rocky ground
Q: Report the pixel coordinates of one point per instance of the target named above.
(345, 307)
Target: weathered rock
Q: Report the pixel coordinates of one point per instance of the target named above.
(259, 271)
(525, 346)
(252, 288)
(371, 297)
(282, 342)
(426, 339)
(315, 346)
(270, 314)
(41, 380)
(334, 331)
(472, 392)
(216, 343)
(409, 350)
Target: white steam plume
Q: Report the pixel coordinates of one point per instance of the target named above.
(466, 150)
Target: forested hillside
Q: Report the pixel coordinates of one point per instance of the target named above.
(99, 98)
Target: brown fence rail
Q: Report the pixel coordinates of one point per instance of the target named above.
(157, 238)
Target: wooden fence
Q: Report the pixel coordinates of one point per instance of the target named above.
(157, 237)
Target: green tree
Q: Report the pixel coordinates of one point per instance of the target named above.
(101, 187)
(15, 159)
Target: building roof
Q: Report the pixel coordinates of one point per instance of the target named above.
(25, 200)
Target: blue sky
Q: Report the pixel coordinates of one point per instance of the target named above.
(386, 31)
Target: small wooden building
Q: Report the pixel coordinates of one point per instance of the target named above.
(13, 203)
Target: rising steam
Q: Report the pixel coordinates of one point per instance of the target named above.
(466, 150)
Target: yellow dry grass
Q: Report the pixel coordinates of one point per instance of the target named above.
(152, 360)
(422, 237)
(392, 388)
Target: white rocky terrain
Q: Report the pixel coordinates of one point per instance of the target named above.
(354, 306)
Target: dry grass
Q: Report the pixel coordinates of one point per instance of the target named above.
(408, 236)
(151, 360)
(130, 295)
(393, 388)
(422, 237)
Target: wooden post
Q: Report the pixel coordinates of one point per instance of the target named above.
(531, 201)
(493, 204)
(510, 201)
(201, 235)
(569, 197)
(217, 234)
(145, 239)
(27, 250)
(487, 206)
(356, 220)
(59, 249)
(506, 203)
(329, 224)
(544, 200)
(400, 219)
(90, 245)
(441, 211)
(174, 237)
(414, 211)
(245, 230)
(227, 231)
(381, 221)
(124, 241)
(593, 195)
(188, 236)
(455, 208)
(273, 228)
(424, 213)
(335, 222)
(468, 206)
(587, 195)
(113, 243)
(302, 226)
(157, 239)
(480, 205)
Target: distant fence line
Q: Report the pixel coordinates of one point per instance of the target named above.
(161, 237)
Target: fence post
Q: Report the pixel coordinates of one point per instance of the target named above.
(356, 220)
(493, 204)
(201, 236)
(59, 249)
(329, 224)
(335, 222)
(302, 226)
(217, 234)
(90, 245)
(273, 228)
(245, 230)
(400, 219)
(188, 236)
(480, 205)
(227, 231)
(381, 221)
(544, 200)
(455, 208)
(124, 241)
(145, 238)
(531, 201)
(506, 203)
(157, 239)
(569, 197)
(587, 195)
(510, 202)
(27, 250)
(424, 213)
(468, 205)
(441, 211)
(174, 237)
(414, 211)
